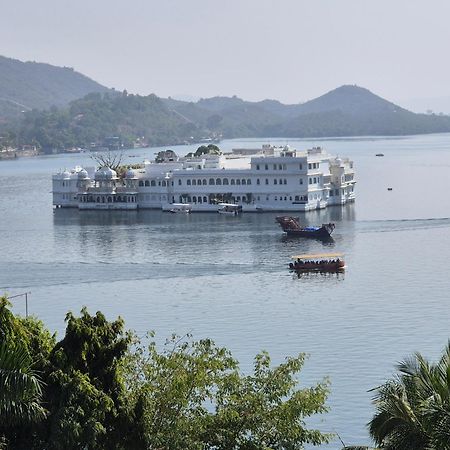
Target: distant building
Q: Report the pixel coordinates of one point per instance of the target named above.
(271, 179)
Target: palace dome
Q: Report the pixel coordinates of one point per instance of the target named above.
(105, 173)
(66, 174)
(130, 174)
(82, 174)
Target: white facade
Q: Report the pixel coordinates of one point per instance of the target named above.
(275, 179)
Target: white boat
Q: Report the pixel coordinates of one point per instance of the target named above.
(230, 209)
(185, 208)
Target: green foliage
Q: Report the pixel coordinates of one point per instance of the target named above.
(102, 388)
(209, 149)
(413, 410)
(192, 395)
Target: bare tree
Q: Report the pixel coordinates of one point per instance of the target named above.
(109, 159)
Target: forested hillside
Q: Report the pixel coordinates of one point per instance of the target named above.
(28, 85)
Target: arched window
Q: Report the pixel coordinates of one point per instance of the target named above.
(188, 182)
(249, 181)
(141, 183)
(204, 182)
(163, 183)
(232, 182)
(199, 182)
(238, 181)
(257, 181)
(199, 199)
(189, 199)
(211, 181)
(243, 181)
(179, 182)
(194, 182)
(147, 183)
(205, 200)
(296, 198)
(218, 181)
(275, 181)
(194, 199)
(225, 181)
(153, 183)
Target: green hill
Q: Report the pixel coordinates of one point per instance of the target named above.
(30, 85)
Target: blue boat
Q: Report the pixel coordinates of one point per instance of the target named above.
(291, 226)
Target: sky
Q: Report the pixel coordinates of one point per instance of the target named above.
(289, 50)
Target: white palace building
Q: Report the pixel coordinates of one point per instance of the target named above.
(268, 179)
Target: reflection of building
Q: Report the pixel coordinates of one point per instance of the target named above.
(281, 179)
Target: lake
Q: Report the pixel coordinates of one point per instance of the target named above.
(226, 278)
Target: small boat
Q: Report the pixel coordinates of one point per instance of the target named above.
(185, 208)
(291, 226)
(322, 262)
(379, 154)
(229, 209)
(389, 189)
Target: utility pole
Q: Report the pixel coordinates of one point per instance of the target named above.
(24, 294)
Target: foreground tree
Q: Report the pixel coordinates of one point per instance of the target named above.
(413, 410)
(191, 395)
(20, 386)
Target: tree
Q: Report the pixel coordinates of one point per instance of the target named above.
(20, 386)
(413, 410)
(192, 395)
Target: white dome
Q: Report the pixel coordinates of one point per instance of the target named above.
(66, 174)
(130, 174)
(82, 174)
(105, 173)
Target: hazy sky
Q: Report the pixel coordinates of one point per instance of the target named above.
(291, 50)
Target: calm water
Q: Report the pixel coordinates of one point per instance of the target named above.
(226, 278)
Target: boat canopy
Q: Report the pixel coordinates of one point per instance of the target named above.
(229, 204)
(318, 256)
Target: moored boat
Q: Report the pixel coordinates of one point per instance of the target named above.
(229, 209)
(185, 208)
(322, 262)
(291, 226)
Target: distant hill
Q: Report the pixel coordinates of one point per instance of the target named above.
(30, 85)
(111, 119)
(345, 111)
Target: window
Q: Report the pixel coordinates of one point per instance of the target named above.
(147, 183)
(281, 181)
(301, 180)
(204, 182)
(275, 181)
(309, 166)
(211, 181)
(233, 182)
(257, 166)
(257, 181)
(141, 183)
(188, 182)
(276, 198)
(205, 200)
(274, 167)
(218, 181)
(267, 167)
(249, 181)
(194, 182)
(163, 183)
(199, 182)
(280, 167)
(153, 183)
(315, 180)
(225, 181)
(267, 181)
(310, 181)
(284, 167)
(159, 183)
(285, 198)
(296, 198)
(285, 181)
(300, 166)
(238, 181)
(243, 182)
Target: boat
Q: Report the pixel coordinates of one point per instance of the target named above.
(185, 208)
(291, 226)
(321, 262)
(379, 154)
(229, 209)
